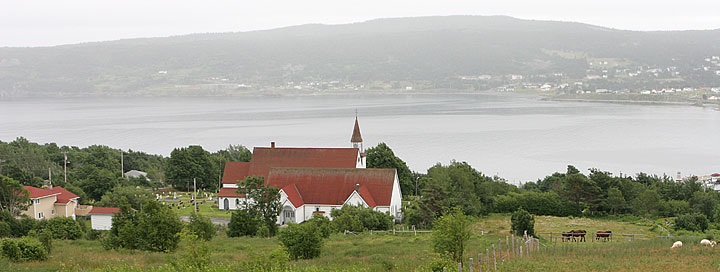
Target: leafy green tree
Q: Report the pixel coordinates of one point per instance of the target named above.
(265, 203)
(235, 153)
(522, 221)
(13, 196)
(704, 203)
(381, 156)
(615, 200)
(242, 223)
(302, 241)
(194, 251)
(13, 171)
(451, 233)
(95, 181)
(648, 203)
(126, 195)
(185, 164)
(64, 228)
(691, 222)
(155, 228)
(579, 188)
(202, 227)
(322, 224)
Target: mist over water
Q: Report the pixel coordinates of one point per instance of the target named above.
(520, 138)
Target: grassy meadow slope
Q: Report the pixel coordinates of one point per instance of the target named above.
(405, 252)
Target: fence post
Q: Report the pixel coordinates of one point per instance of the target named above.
(494, 257)
(479, 262)
(513, 245)
(502, 260)
(459, 267)
(520, 247)
(470, 264)
(487, 256)
(414, 230)
(507, 245)
(527, 250)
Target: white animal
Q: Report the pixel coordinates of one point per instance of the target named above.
(677, 244)
(706, 242)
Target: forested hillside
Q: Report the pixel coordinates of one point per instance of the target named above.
(428, 51)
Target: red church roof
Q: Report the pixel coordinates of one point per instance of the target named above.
(334, 186)
(229, 192)
(264, 158)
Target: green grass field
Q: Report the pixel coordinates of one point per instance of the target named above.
(406, 252)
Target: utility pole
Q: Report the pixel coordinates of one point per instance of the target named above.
(122, 164)
(65, 166)
(49, 175)
(195, 192)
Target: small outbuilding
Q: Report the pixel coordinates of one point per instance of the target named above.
(101, 217)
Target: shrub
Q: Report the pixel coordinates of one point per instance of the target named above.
(263, 231)
(202, 227)
(301, 241)
(242, 223)
(691, 222)
(93, 234)
(358, 218)
(5, 230)
(25, 249)
(322, 224)
(194, 252)
(64, 228)
(451, 233)
(44, 236)
(522, 221)
(155, 228)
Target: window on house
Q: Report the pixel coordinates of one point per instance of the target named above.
(289, 214)
(53, 211)
(41, 215)
(317, 209)
(37, 201)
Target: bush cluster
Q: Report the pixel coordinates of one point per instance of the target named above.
(65, 228)
(691, 222)
(24, 249)
(358, 219)
(155, 228)
(202, 227)
(302, 241)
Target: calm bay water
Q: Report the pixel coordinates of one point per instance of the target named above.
(519, 138)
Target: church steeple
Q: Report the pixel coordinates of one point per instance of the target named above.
(356, 138)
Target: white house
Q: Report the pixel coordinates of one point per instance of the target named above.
(101, 217)
(136, 174)
(265, 158)
(306, 191)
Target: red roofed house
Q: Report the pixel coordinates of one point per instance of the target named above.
(101, 217)
(264, 158)
(305, 191)
(48, 202)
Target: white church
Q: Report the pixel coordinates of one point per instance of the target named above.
(315, 180)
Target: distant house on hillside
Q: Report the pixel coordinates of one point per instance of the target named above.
(49, 202)
(136, 174)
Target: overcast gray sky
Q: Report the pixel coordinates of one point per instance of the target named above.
(53, 22)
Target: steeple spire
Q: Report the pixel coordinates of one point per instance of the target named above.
(356, 137)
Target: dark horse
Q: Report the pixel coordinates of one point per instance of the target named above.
(574, 235)
(604, 234)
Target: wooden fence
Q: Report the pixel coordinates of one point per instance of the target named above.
(514, 248)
